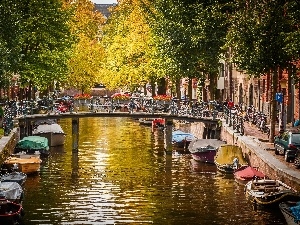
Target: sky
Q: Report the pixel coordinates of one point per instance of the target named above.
(104, 1)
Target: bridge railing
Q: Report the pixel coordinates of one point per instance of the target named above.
(144, 105)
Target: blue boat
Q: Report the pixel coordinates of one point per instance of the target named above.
(182, 139)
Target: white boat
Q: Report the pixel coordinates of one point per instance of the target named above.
(266, 192)
(12, 191)
(53, 132)
(291, 212)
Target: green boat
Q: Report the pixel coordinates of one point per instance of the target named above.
(33, 145)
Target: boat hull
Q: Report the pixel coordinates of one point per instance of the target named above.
(181, 144)
(207, 156)
(11, 213)
(225, 168)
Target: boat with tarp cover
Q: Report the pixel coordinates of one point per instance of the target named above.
(12, 191)
(204, 150)
(245, 174)
(229, 158)
(33, 144)
(291, 212)
(14, 176)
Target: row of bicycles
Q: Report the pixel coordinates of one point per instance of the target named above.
(235, 116)
(149, 105)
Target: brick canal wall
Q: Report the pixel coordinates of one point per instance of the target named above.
(8, 143)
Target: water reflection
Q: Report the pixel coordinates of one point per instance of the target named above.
(121, 175)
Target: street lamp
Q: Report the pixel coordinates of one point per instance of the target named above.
(283, 82)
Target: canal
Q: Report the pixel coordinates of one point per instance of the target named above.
(121, 175)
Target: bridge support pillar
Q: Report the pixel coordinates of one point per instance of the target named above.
(168, 135)
(75, 134)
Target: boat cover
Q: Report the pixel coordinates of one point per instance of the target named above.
(14, 176)
(202, 145)
(296, 212)
(227, 153)
(249, 172)
(33, 142)
(11, 190)
(178, 136)
(17, 160)
(48, 128)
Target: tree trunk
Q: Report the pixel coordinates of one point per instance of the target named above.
(153, 88)
(178, 92)
(190, 89)
(161, 89)
(273, 104)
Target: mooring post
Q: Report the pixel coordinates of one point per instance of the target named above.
(168, 135)
(22, 126)
(75, 134)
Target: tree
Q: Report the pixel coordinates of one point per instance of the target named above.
(37, 36)
(258, 39)
(129, 48)
(87, 53)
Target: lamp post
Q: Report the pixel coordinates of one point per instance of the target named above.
(283, 89)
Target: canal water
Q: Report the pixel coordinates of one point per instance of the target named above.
(121, 175)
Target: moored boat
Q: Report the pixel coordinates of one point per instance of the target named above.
(229, 158)
(245, 174)
(53, 132)
(33, 144)
(267, 192)
(291, 212)
(204, 150)
(15, 176)
(12, 191)
(10, 213)
(27, 163)
(182, 139)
